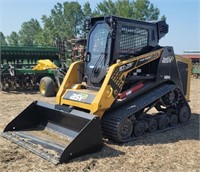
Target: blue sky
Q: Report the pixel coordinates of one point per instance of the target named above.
(183, 18)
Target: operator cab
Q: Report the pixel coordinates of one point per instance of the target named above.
(112, 38)
(98, 53)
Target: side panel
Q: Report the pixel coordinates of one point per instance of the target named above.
(185, 66)
(167, 68)
(175, 69)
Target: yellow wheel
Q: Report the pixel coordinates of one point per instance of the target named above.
(42, 88)
(47, 87)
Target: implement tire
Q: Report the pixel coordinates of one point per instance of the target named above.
(47, 87)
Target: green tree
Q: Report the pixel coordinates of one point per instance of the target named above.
(163, 18)
(144, 10)
(136, 9)
(125, 8)
(74, 15)
(2, 39)
(64, 22)
(87, 11)
(107, 7)
(28, 32)
(66, 19)
(58, 21)
(13, 39)
(47, 34)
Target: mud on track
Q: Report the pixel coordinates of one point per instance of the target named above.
(174, 150)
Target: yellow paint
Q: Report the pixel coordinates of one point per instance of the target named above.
(72, 78)
(44, 64)
(105, 97)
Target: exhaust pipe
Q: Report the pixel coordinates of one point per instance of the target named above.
(54, 132)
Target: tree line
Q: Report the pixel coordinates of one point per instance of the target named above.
(66, 21)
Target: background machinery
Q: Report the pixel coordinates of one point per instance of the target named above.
(195, 58)
(27, 68)
(17, 65)
(125, 73)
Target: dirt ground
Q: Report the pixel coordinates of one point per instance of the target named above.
(174, 150)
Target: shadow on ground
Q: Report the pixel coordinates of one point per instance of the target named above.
(105, 152)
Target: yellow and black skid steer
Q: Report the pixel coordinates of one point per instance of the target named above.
(124, 74)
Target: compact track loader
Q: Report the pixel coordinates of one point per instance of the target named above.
(124, 74)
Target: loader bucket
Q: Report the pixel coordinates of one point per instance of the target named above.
(54, 132)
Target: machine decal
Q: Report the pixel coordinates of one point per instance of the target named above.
(167, 76)
(168, 59)
(147, 59)
(79, 97)
(125, 67)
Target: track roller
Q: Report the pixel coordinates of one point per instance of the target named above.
(173, 120)
(139, 128)
(125, 129)
(184, 114)
(163, 122)
(152, 125)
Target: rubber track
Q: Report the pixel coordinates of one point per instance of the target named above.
(111, 119)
